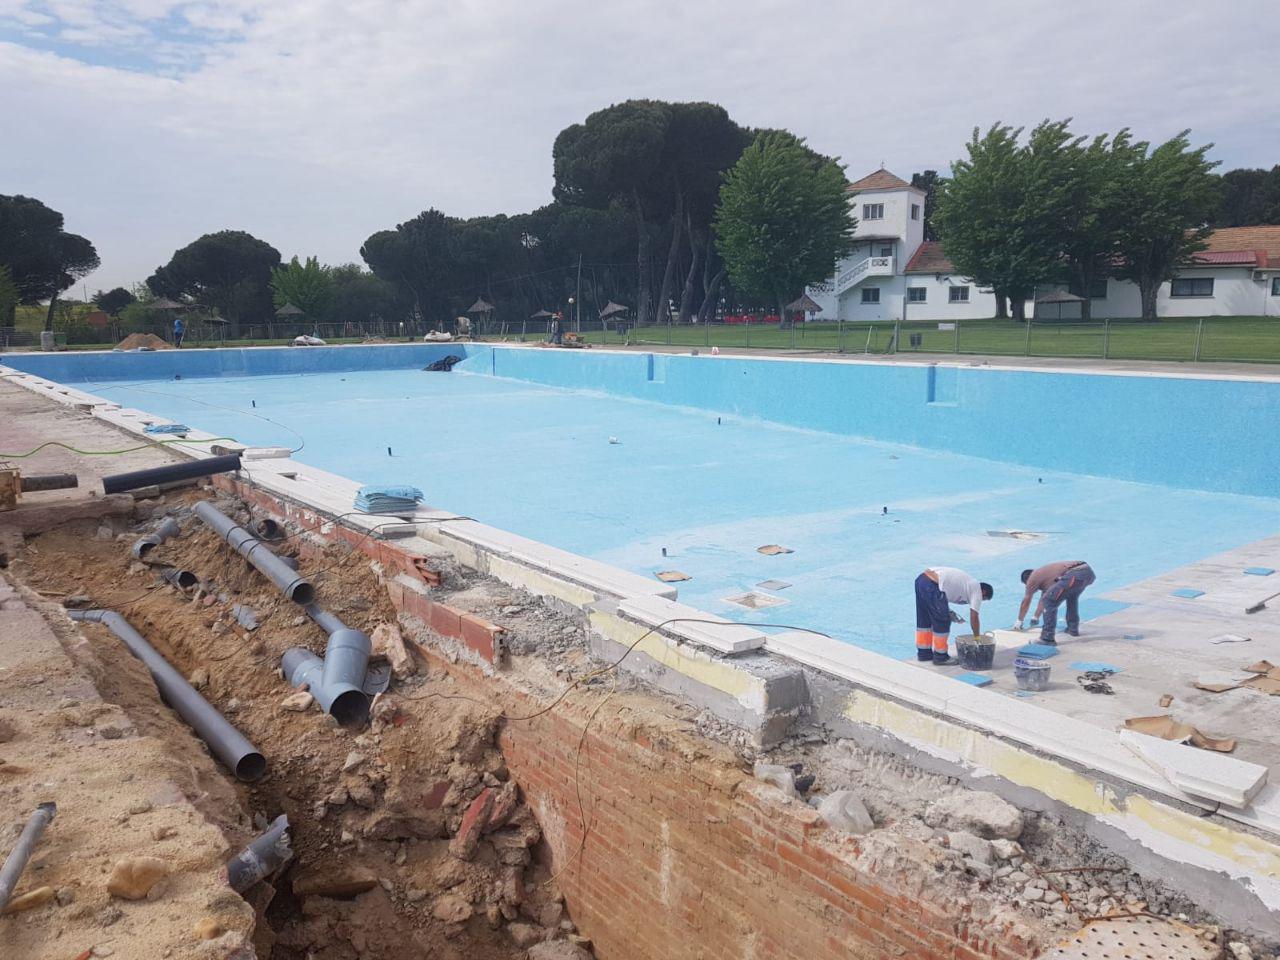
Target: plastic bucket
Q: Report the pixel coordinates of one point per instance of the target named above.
(1031, 674)
(976, 653)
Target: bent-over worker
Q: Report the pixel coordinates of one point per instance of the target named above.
(935, 589)
(1055, 582)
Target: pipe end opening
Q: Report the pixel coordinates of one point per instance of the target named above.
(351, 708)
(302, 593)
(251, 767)
(185, 579)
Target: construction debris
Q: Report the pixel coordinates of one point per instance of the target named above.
(1166, 728)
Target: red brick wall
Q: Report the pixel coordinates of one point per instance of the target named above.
(687, 857)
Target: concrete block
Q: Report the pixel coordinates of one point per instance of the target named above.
(1201, 773)
(722, 635)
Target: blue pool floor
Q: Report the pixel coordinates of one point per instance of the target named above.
(538, 461)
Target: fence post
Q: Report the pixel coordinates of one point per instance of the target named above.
(1106, 339)
(839, 335)
(747, 333)
(793, 335)
(668, 329)
(706, 331)
(1026, 347)
(957, 350)
(1199, 332)
(897, 332)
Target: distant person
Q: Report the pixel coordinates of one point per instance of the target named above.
(179, 330)
(554, 332)
(936, 589)
(1055, 582)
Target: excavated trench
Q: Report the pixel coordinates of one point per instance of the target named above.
(410, 838)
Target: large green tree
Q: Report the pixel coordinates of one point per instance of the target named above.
(229, 271)
(305, 284)
(419, 257)
(615, 157)
(9, 296)
(1170, 195)
(361, 297)
(1095, 216)
(1001, 213)
(43, 259)
(928, 181)
(783, 219)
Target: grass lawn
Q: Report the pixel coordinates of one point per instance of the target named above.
(1221, 338)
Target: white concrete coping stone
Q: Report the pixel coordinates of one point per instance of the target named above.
(723, 635)
(1052, 733)
(1202, 773)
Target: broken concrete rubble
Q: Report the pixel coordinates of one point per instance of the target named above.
(983, 813)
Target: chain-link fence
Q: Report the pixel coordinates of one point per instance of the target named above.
(1246, 339)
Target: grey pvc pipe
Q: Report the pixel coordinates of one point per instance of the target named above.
(264, 855)
(225, 741)
(167, 530)
(324, 620)
(296, 588)
(16, 862)
(50, 481)
(182, 579)
(337, 681)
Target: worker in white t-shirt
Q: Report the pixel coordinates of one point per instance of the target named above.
(936, 590)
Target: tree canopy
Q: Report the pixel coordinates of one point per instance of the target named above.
(42, 258)
(1170, 195)
(307, 285)
(229, 271)
(783, 218)
(111, 302)
(1061, 208)
(1249, 198)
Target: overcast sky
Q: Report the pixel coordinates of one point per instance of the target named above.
(313, 123)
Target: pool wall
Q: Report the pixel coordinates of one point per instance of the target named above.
(1195, 432)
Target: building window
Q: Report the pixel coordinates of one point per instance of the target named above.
(1275, 286)
(917, 294)
(873, 211)
(886, 251)
(959, 295)
(915, 211)
(1191, 287)
(870, 294)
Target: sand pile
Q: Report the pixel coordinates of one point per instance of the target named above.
(135, 341)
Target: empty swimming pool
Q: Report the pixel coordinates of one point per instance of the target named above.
(868, 472)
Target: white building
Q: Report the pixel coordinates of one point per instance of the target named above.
(895, 274)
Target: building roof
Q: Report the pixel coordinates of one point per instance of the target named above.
(929, 258)
(1059, 296)
(804, 302)
(882, 179)
(1242, 246)
(1227, 247)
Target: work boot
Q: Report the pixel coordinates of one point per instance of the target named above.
(944, 660)
(1073, 631)
(924, 655)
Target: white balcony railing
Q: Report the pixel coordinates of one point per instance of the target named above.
(870, 267)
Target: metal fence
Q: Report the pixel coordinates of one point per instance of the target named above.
(1244, 339)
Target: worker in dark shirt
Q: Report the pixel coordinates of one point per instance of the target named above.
(1055, 582)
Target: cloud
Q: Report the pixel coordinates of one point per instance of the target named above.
(313, 123)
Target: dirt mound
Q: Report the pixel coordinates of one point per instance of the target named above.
(135, 341)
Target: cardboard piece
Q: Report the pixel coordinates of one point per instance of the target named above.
(1213, 687)
(1164, 727)
(1262, 666)
(1264, 684)
(1166, 699)
(672, 576)
(773, 549)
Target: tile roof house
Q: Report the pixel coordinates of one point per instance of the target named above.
(895, 274)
